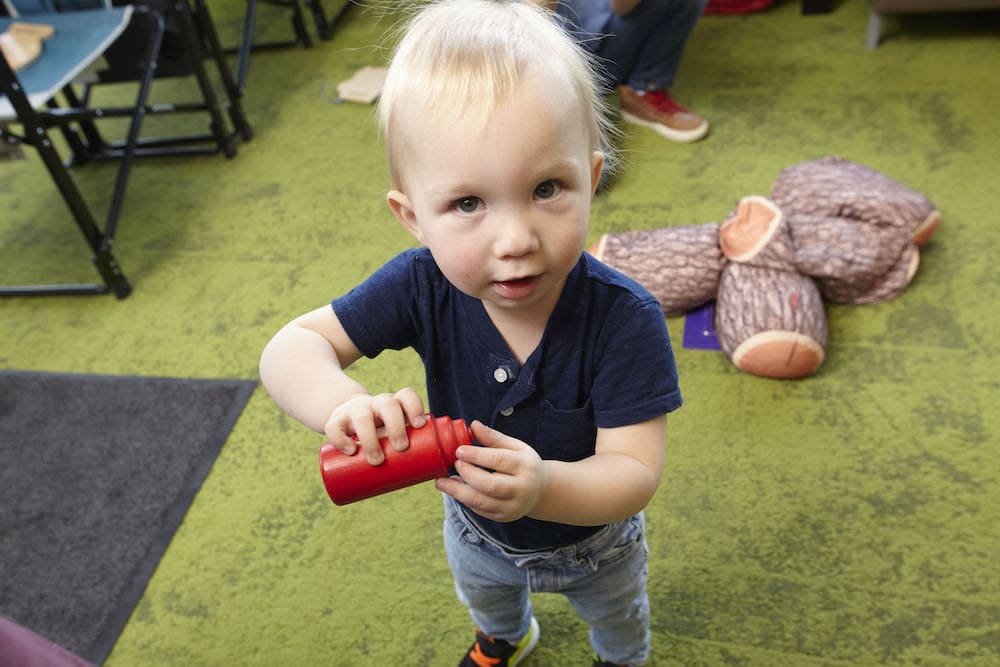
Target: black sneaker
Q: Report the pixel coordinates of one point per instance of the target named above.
(489, 652)
(604, 663)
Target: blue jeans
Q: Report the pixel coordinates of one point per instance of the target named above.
(642, 50)
(603, 577)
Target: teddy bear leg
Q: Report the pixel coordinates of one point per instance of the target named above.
(884, 287)
(834, 186)
(770, 323)
(925, 230)
(680, 266)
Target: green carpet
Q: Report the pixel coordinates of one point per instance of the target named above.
(851, 518)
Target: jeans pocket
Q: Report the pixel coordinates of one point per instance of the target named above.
(620, 544)
(457, 525)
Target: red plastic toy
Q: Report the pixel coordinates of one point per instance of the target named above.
(431, 454)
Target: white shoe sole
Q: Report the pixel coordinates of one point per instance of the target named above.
(683, 136)
(533, 632)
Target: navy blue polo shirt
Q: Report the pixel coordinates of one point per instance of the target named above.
(604, 361)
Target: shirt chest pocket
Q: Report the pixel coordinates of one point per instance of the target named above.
(565, 435)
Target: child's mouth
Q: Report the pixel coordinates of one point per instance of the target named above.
(517, 288)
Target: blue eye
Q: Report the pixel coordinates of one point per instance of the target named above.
(547, 190)
(468, 204)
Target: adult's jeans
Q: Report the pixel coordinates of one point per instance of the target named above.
(643, 49)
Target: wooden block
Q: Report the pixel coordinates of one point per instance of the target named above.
(364, 87)
(22, 43)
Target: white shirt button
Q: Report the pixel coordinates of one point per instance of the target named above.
(507, 412)
(501, 374)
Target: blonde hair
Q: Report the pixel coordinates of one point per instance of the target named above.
(459, 57)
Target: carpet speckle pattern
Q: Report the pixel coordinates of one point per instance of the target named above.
(850, 518)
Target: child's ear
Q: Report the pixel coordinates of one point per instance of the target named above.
(403, 210)
(596, 165)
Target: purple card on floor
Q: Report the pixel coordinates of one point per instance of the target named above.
(699, 331)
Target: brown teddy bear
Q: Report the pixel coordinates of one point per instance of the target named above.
(831, 230)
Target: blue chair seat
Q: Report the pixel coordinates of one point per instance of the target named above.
(79, 39)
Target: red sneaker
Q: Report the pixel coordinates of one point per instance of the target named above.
(656, 109)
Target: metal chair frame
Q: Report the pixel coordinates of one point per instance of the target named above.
(36, 125)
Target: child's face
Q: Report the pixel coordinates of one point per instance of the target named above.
(503, 206)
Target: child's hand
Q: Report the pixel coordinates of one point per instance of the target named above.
(509, 492)
(362, 419)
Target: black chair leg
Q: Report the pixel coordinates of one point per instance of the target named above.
(234, 92)
(245, 47)
(247, 44)
(299, 24)
(81, 153)
(326, 26)
(35, 133)
(132, 137)
(113, 278)
(192, 45)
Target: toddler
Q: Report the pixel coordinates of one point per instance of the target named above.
(494, 129)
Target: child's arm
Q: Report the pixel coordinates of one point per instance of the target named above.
(302, 368)
(613, 484)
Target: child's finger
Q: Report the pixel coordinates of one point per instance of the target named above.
(366, 435)
(489, 437)
(493, 484)
(413, 406)
(343, 442)
(490, 458)
(453, 486)
(389, 412)
(479, 502)
(340, 434)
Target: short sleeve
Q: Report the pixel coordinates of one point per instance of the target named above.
(637, 377)
(381, 313)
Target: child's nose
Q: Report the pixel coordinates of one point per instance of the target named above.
(516, 236)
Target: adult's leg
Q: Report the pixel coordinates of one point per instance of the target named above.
(643, 49)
